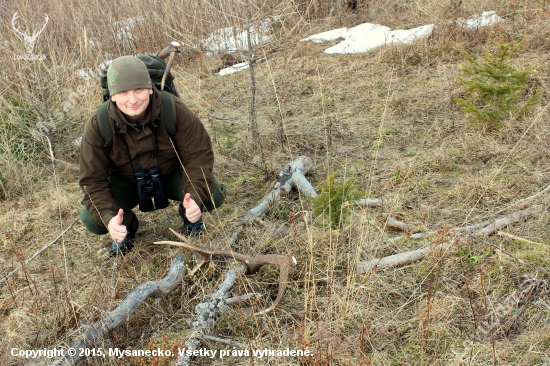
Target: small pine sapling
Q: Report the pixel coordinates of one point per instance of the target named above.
(334, 202)
(495, 90)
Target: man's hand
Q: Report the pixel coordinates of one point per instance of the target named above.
(116, 229)
(192, 210)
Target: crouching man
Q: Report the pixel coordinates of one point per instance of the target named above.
(141, 163)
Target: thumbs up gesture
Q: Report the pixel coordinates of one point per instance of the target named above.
(192, 210)
(116, 229)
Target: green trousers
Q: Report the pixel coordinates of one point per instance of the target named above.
(125, 193)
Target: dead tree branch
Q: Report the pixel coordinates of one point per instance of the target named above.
(291, 176)
(485, 229)
(510, 219)
(368, 202)
(209, 310)
(380, 264)
(98, 331)
(396, 224)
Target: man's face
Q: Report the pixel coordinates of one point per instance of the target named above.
(132, 103)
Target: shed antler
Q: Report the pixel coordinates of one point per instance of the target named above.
(168, 51)
(286, 263)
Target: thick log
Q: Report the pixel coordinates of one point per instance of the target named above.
(96, 333)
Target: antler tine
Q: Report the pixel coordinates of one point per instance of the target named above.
(181, 237)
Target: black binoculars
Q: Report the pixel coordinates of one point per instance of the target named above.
(149, 185)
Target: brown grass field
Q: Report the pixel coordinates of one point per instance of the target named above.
(387, 118)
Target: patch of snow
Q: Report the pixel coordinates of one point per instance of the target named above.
(328, 36)
(124, 28)
(233, 69)
(368, 36)
(475, 21)
(361, 40)
(232, 39)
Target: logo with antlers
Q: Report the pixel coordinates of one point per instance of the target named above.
(29, 40)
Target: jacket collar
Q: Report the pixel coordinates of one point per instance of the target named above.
(149, 118)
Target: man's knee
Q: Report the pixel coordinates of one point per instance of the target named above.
(91, 225)
(218, 196)
(130, 221)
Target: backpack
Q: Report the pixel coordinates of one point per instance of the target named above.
(155, 66)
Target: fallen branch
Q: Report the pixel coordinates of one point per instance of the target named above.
(380, 264)
(412, 236)
(533, 196)
(209, 310)
(291, 176)
(39, 252)
(486, 228)
(97, 332)
(396, 224)
(470, 229)
(510, 219)
(368, 202)
(223, 341)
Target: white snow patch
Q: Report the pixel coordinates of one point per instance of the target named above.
(475, 21)
(368, 36)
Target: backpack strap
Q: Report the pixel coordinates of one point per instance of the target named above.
(168, 112)
(105, 124)
(167, 115)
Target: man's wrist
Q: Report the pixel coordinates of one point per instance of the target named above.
(107, 217)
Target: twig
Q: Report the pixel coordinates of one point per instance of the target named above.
(39, 252)
(224, 341)
(502, 233)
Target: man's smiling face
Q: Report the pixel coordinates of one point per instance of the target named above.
(133, 103)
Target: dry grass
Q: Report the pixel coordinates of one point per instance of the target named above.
(387, 118)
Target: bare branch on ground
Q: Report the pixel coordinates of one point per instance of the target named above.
(98, 331)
